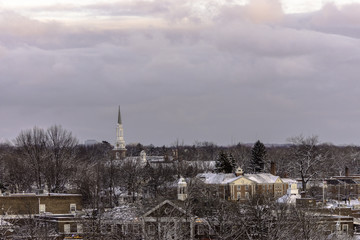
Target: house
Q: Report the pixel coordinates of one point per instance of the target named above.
(342, 188)
(53, 214)
(241, 186)
(168, 221)
(32, 203)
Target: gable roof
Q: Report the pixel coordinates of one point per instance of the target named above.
(236, 178)
(124, 212)
(288, 180)
(161, 205)
(225, 178)
(216, 178)
(262, 178)
(259, 178)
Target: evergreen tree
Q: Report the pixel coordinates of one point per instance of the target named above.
(232, 162)
(225, 163)
(257, 161)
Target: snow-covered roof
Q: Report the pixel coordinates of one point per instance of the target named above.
(39, 195)
(289, 199)
(122, 213)
(262, 178)
(4, 223)
(352, 203)
(224, 178)
(207, 164)
(288, 180)
(157, 158)
(163, 203)
(215, 178)
(229, 180)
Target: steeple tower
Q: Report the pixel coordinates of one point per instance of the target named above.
(119, 149)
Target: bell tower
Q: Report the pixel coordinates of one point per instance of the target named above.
(182, 189)
(119, 149)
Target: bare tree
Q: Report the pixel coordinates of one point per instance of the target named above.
(61, 146)
(157, 178)
(307, 158)
(131, 177)
(32, 144)
(49, 155)
(32, 227)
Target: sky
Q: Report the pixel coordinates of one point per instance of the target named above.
(221, 71)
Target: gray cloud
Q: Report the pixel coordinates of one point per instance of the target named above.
(242, 74)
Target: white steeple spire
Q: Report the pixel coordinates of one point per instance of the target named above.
(120, 142)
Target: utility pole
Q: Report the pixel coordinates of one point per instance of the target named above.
(324, 182)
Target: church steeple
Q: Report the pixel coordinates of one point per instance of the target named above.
(119, 117)
(119, 149)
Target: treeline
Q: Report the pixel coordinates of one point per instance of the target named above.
(52, 159)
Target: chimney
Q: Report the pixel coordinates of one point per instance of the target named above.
(346, 171)
(272, 168)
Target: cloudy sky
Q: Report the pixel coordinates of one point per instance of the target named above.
(224, 71)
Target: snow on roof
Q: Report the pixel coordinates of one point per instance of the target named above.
(288, 180)
(157, 158)
(288, 199)
(153, 160)
(229, 180)
(4, 223)
(13, 195)
(262, 177)
(122, 213)
(209, 164)
(224, 178)
(350, 203)
(215, 178)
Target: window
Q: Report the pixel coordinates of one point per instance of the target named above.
(72, 207)
(247, 195)
(238, 195)
(112, 228)
(42, 208)
(200, 230)
(124, 229)
(246, 187)
(238, 187)
(79, 228)
(66, 228)
(151, 229)
(345, 228)
(136, 229)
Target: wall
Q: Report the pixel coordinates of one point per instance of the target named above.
(29, 204)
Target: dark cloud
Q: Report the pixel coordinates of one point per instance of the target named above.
(242, 74)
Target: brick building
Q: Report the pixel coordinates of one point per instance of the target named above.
(240, 186)
(51, 212)
(31, 203)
